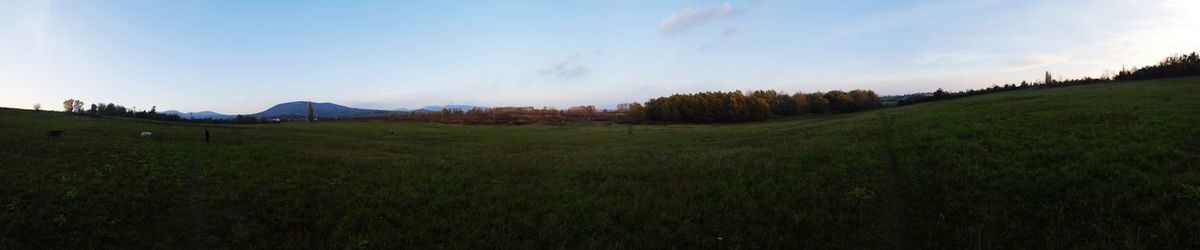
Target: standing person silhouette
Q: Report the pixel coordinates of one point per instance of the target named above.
(206, 135)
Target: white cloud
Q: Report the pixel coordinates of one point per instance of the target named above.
(1160, 29)
(891, 20)
(1068, 39)
(688, 18)
(1157, 36)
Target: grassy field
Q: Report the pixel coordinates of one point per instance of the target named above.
(1112, 165)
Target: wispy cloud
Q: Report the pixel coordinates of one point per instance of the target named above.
(39, 23)
(1038, 61)
(994, 62)
(566, 69)
(688, 18)
(731, 32)
(910, 16)
(938, 58)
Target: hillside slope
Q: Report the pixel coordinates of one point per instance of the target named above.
(1090, 166)
(199, 115)
(324, 110)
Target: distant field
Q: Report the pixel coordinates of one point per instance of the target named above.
(1095, 166)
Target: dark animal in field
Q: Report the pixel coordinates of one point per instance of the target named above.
(55, 133)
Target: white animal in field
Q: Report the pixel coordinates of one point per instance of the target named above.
(147, 134)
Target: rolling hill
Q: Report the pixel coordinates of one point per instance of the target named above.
(200, 115)
(325, 110)
(1092, 166)
(439, 108)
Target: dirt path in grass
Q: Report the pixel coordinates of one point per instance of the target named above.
(198, 237)
(896, 217)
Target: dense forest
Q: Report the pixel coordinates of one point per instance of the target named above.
(736, 106)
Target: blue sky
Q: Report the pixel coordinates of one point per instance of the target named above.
(243, 56)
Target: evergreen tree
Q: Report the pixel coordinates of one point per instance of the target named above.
(309, 111)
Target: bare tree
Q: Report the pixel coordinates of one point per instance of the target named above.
(72, 106)
(78, 106)
(37, 107)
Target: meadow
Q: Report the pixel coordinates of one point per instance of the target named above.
(1113, 165)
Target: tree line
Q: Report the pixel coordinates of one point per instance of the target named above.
(758, 105)
(1173, 66)
(75, 106)
(941, 94)
(78, 107)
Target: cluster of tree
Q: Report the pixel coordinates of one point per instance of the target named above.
(1174, 66)
(510, 115)
(736, 106)
(72, 106)
(631, 112)
(111, 109)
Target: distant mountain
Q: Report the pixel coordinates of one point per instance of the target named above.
(298, 110)
(438, 108)
(200, 115)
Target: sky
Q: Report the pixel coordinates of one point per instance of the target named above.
(240, 57)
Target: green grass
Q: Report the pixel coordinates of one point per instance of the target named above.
(1098, 166)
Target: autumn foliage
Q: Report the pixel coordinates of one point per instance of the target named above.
(511, 115)
(736, 106)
